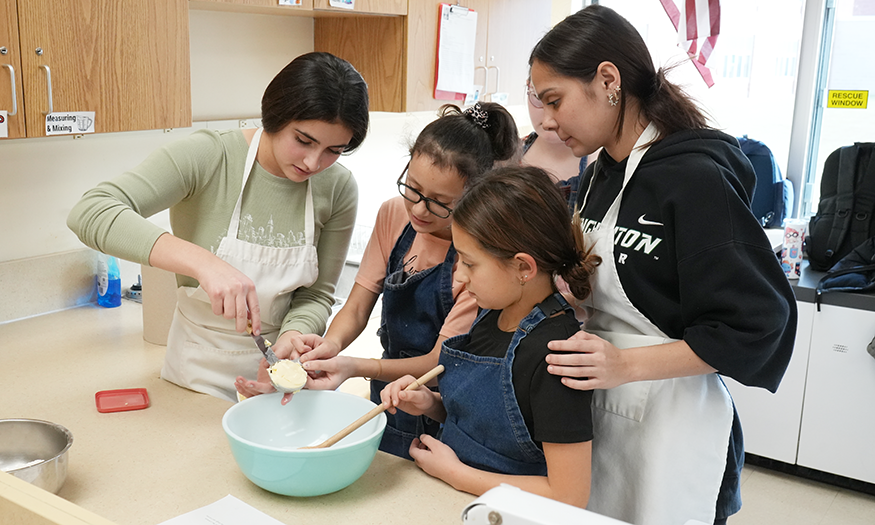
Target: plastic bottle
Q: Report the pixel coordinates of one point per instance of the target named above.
(109, 283)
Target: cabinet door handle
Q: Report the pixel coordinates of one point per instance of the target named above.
(48, 86)
(14, 96)
(485, 79)
(497, 78)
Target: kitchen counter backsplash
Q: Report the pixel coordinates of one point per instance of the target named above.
(39, 285)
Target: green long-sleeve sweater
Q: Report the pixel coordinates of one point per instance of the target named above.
(199, 179)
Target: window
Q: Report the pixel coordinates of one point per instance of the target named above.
(849, 72)
(754, 65)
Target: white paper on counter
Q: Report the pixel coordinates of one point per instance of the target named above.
(227, 511)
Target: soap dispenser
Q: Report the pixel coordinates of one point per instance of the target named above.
(109, 284)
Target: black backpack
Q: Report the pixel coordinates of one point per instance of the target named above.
(855, 272)
(772, 200)
(846, 212)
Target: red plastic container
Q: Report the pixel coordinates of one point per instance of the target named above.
(121, 400)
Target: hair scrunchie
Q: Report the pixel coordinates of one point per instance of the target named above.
(479, 115)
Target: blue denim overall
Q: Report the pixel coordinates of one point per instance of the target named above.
(484, 425)
(414, 309)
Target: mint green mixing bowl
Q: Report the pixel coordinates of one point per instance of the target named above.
(265, 439)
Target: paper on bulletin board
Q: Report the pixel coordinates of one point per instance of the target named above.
(69, 123)
(4, 124)
(227, 511)
(457, 33)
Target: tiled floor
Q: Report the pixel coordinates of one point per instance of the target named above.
(775, 498)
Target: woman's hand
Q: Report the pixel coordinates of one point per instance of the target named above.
(600, 364)
(591, 362)
(415, 402)
(436, 459)
(289, 345)
(232, 294)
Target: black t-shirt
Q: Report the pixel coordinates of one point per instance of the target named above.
(553, 412)
(693, 258)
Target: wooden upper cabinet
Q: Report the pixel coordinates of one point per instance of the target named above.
(11, 94)
(126, 60)
(375, 47)
(379, 7)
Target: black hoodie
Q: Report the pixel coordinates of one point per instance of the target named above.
(692, 257)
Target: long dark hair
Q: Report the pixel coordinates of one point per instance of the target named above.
(577, 45)
(467, 143)
(518, 209)
(317, 86)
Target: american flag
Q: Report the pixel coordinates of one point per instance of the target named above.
(698, 24)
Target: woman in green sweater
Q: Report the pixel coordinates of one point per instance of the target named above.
(261, 222)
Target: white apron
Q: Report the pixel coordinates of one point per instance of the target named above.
(659, 447)
(204, 351)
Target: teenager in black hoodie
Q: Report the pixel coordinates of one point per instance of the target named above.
(689, 285)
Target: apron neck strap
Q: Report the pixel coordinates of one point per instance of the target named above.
(234, 225)
(649, 134)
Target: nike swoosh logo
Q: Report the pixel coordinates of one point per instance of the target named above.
(645, 222)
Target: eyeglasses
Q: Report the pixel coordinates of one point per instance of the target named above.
(533, 97)
(434, 207)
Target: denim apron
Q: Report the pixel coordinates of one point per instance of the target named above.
(414, 309)
(484, 425)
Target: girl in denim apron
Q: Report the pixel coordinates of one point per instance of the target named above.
(411, 260)
(505, 418)
(688, 285)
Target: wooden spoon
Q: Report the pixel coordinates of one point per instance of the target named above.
(431, 374)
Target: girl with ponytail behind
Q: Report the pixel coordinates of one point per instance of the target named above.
(688, 284)
(505, 418)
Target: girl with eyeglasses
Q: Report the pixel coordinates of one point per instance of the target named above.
(411, 260)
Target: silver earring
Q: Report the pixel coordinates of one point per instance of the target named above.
(614, 98)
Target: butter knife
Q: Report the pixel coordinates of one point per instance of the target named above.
(264, 346)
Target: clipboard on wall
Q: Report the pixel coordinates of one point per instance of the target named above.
(454, 62)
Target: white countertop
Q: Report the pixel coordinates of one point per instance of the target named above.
(147, 466)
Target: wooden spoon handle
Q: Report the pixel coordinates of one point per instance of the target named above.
(431, 374)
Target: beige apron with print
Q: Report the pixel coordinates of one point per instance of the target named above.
(659, 447)
(204, 351)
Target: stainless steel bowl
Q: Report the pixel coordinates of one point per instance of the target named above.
(35, 451)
